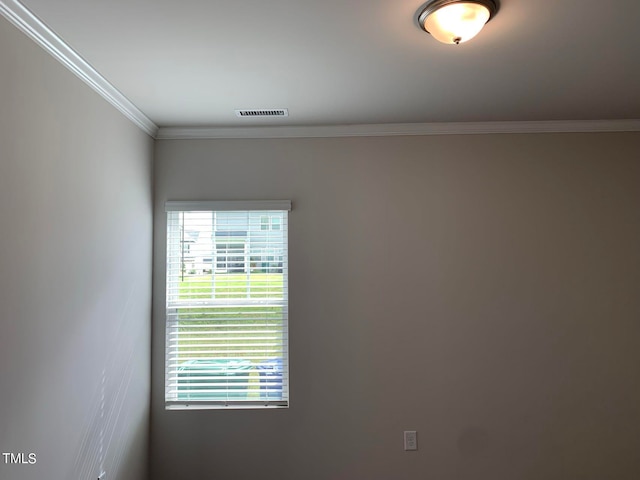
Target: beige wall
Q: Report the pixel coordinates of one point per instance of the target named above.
(75, 282)
(483, 290)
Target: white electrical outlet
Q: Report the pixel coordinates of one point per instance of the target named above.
(410, 440)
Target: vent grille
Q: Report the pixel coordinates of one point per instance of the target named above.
(274, 112)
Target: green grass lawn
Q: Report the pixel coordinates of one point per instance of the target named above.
(232, 285)
(235, 330)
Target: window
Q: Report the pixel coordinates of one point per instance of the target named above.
(230, 257)
(227, 322)
(268, 222)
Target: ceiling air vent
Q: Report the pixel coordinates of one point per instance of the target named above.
(275, 112)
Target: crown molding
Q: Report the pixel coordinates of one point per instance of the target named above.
(33, 27)
(398, 129)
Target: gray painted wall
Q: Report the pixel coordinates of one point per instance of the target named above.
(75, 281)
(483, 290)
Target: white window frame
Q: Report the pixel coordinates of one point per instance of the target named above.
(171, 399)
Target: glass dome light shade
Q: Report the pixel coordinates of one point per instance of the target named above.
(457, 22)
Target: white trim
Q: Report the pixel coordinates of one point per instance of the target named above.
(25, 20)
(208, 405)
(231, 205)
(391, 129)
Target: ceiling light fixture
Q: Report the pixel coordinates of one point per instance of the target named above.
(456, 21)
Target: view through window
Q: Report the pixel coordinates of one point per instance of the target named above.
(227, 304)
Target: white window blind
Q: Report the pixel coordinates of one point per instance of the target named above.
(227, 305)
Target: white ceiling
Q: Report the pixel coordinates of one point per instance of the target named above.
(339, 62)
